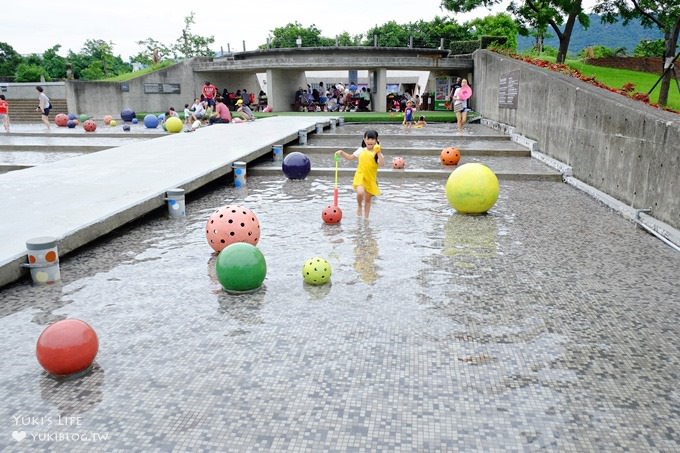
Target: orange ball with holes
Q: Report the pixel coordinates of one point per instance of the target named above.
(450, 156)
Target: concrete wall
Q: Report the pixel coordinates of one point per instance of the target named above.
(54, 90)
(282, 86)
(107, 98)
(622, 147)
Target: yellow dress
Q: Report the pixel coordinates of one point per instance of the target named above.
(367, 171)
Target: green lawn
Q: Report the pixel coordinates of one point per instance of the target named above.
(617, 78)
(377, 117)
(131, 75)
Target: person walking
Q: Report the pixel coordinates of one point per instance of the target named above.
(44, 106)
(369, 157)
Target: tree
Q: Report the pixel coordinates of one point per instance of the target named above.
(96, 61)
(499, 25)
(54, 64)
(189, 45)
(552, 12)
(27, 72)
(9, 60)
(152, 50)
(390, 34)
(650, 48)
(286, 37)
(429, 34)
(662, 14)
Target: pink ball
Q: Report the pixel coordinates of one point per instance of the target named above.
(398, 163)
(89, 126)
(107, 119)
(230, 224)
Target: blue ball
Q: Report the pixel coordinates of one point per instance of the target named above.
(296, 165)
(126, 127)
(71, 123)
(72, 116)
(161, 117)
(135, 121)
(151, 121)
(127, 115)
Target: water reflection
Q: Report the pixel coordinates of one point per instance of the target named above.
(470, 237)
(72, 396)
(365, 252)
(317, 292)
(244, 308)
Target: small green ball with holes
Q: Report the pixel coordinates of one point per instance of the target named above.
(316, 271)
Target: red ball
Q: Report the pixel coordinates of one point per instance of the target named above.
(450, 156)
(231, 224)
(89, 126)
(332, 214)
(61, 119)
(66, 347)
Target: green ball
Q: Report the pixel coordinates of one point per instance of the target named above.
(241, 268)
(84, 118)
(316, 271)
(173, 125)
(472, 188)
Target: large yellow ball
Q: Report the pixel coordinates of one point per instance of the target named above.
(472, 188)
(173, 124)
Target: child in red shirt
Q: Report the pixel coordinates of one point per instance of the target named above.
(4, 112)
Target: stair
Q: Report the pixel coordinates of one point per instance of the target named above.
(23, 110)
(421, 150)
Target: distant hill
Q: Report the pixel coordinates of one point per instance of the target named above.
(608, 35)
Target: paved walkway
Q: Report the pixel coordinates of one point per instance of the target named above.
(79, 199)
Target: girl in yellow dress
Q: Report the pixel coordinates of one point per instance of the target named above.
(369, 157)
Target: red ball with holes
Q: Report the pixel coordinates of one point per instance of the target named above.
(331, 214)
(90, 126)
(230, 224)
(66, 347)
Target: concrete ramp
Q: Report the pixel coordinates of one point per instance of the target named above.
(82, 198)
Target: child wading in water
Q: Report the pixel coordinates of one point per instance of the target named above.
(369, 157)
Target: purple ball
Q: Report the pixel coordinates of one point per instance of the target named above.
(296, 165)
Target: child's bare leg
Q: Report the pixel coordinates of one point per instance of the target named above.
(367, 204)
(360, 200)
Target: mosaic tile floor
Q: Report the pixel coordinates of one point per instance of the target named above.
(550, 324)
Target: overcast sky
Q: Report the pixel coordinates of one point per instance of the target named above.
(33, 26)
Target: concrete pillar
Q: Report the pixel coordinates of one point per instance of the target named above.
(379, 90)
(281, 87)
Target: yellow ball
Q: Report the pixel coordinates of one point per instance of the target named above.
(173, 124)
(316, 271)
(472, 188)
(113, 123)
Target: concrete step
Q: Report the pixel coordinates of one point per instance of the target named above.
(466, 149)
(504, 175)
(386, 139)
(23, 110)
